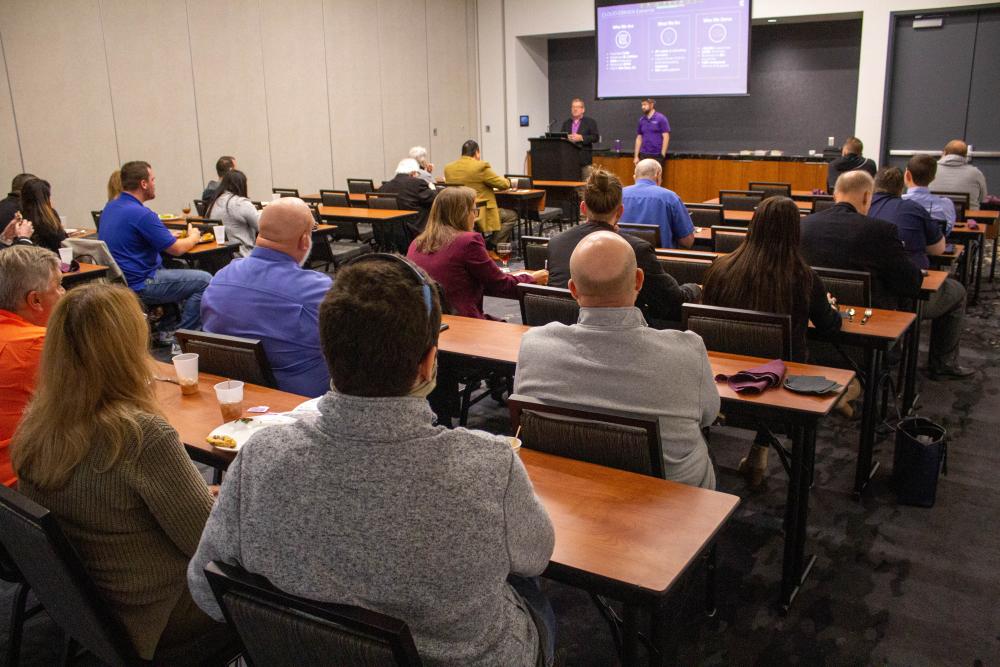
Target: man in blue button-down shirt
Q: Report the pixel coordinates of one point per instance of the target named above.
(269, 296)
(920, 171)
(647, 203)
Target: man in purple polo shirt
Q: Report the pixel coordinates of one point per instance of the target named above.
(653, 136)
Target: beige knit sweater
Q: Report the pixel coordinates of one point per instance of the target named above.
(135, 526)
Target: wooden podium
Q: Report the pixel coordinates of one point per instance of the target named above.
(555, 159)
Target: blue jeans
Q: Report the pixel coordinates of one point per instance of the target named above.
(541, 613)
(174, 286)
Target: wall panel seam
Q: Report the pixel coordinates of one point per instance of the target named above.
(194, 93)
(326, 87)
(263, 76)
(13, 110)
(107, 71)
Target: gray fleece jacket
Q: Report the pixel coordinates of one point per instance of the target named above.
(370, 505)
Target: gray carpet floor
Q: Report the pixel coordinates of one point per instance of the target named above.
(893, 585)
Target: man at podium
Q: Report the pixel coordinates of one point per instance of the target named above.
(581, 130)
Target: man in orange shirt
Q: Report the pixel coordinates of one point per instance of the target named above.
(30, 286)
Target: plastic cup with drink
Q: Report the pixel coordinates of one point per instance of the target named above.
(230, 395)
(186, 366)
(220, 233)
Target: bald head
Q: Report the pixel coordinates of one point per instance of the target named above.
(648, 168)
(956, 147)
(855, 187)
(286, 226)
(603, 272)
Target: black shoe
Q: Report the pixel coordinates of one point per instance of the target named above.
(950, 373)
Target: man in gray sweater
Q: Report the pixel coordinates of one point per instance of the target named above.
(370, 505)
(610, 359)
(955, 174)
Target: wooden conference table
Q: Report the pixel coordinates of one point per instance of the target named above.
(84, 274)
(609, 524)
(386, 227)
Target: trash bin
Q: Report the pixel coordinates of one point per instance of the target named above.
(921, 452)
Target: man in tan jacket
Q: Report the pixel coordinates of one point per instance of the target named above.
(470, 170)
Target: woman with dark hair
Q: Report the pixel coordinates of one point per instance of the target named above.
(237, 213)
(768, 273)
(36, 206)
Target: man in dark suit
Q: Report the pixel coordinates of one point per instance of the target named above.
(581, 130)
(412, 193)
(661, 297)
(844, 237)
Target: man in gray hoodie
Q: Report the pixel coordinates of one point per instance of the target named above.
(955, 174)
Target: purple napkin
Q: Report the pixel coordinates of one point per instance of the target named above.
(755, 380)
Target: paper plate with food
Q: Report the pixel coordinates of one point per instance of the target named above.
(233, 435)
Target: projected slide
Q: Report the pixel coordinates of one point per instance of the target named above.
(680, 47)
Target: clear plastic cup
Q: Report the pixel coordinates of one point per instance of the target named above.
(186, 366)
(220, 233)
(66, 255)
(230, 395)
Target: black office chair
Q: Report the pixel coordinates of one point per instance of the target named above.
(737, 331)
(853, 288)
(335, 198)
(727, 239)
(541, 304)
(279, 629)
(360, 185)
(20, 612)
(51, 566)
(740, 200)
(956, 197)
(535, 251)
(201, 207)
(286, 192)
(648, 233)
(96, 215)
(229, 356)
(771, 189)
(685, 269)
(381, 200)
(823, 204)
(706, 215)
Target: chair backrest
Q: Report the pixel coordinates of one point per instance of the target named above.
(541, 304)
(706, 215)
(822, 204)
(281, 629)
(851, 288)
(737, 331)
(727, 239)
(740, 200)
(381, 200)
(96, 215)
(771, 189)
(360, 185)
(335, 197)
(286, 192)
(957, 197)
(960, 208)
(229, 356)
(684, 269)
(519, 181)
(535, 251)
(98, 251)
(51, 566)
(200, 207)
(648, 233)
(622, 440)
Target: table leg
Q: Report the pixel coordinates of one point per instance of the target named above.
(910, 383)
(864, 470)
(632, 617)
(977, 269)
(993, 262)
(663, 619)
(795, 567)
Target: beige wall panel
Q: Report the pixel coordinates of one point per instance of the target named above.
(352, 56)
(448, 78)
(297, 104)
(154, 115)
(10, 151)
(403, 39)
(59, 84)
(229, 88)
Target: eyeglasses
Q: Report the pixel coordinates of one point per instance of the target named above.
(425, 287)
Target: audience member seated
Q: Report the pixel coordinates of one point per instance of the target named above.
(659, 373)
(647, 203)
(11, 204)
(412, 193)
(17, 232)
(845, 237)
(36, 206)
(470, 170)
(136, 237)
(270, 297)
(222, 165)
(114, 184)
(955, 174)
(661, 297)
(920, 172)
(419, 153)
(922, 237)
(786, 285)
(237, 213)
(369, 504)
(455, 256)
(95, 450)
(29, 289)
(850, 159)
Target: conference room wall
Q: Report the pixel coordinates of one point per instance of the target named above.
(298, 90)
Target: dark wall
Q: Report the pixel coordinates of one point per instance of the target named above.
(803, 89)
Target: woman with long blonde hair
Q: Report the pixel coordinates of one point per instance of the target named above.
(455, 256)
(96, 451)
